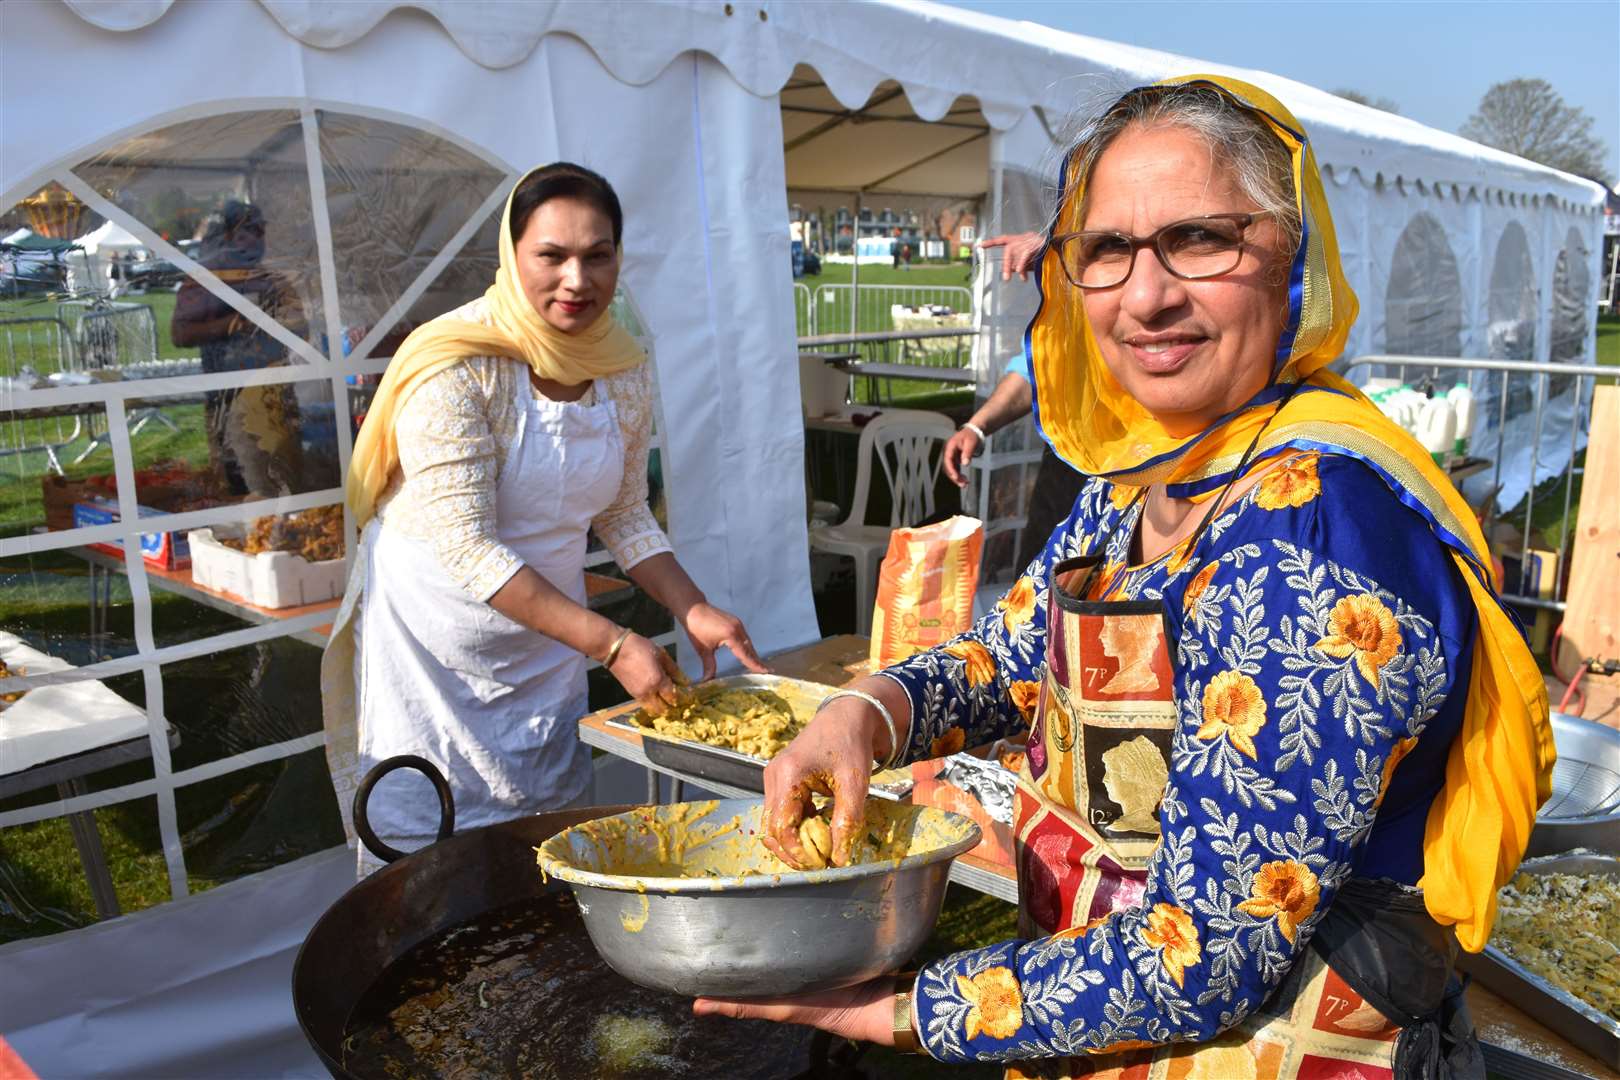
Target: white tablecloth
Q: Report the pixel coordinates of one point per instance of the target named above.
(55, 721)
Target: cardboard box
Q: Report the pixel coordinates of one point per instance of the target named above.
(996, 845)
(161, 550)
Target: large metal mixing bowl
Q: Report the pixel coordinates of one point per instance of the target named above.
(1584, 809)
(730, 934)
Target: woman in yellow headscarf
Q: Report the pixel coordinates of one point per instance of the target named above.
(502, 433)
(1354, 733)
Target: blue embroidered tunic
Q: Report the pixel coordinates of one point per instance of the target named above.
(1321, 637)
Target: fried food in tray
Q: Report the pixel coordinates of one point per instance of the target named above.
(1565, 928)
(314, 535)
(7, 672)
(756, 722)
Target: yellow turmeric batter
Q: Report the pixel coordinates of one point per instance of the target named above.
(756, 722)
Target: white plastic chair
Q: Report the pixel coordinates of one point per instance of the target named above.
(910, 446)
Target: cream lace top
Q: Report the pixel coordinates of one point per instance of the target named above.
(454, 432)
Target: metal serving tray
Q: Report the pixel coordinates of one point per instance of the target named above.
(1574, 1019)
(726, 766)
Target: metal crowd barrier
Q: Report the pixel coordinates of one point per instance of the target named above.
(804, 310)
(41, 345)
(1496, 384)
(871, 309)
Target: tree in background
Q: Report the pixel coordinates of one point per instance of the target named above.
(1359, 98)
(1529, 118)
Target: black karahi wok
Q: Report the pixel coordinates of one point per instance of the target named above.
(421, 901)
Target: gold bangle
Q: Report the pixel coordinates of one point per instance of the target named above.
(905, 1036)
(613, 650)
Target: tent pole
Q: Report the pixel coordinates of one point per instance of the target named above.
(855, 272)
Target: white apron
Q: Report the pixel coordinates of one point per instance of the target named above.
(491, 702)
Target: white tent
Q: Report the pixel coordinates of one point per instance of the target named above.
(110, 237)
(88, 267)
(378, 136)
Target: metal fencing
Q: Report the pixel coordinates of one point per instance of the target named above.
(1523, 408)
(804, 310)
(109, 334)
(839, 308)
(30, 349)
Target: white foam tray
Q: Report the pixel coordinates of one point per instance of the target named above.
(270, 579)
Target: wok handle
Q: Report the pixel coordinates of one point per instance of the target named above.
(362, 796)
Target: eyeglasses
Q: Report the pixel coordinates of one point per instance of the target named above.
(1202, 247)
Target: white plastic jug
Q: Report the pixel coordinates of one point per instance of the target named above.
(1463, 403)
(1437, 428)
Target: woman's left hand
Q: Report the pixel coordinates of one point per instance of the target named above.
(709, 628)
(864, 1012)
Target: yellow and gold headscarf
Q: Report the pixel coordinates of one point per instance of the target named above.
(1500, 766)
(519, 333)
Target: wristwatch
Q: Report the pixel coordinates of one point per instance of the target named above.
(905, 1036)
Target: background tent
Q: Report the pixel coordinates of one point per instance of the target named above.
(379, 137)
(88, 267)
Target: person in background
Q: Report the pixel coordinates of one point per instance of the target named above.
(1056, 484)
(503, 433)
(253, 433)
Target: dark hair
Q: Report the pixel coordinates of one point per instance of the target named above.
(565, 179)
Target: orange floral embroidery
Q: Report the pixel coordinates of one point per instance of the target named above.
(998, 1004)
(1025, 694)
(1396, 753)
(1196, 587)
(1171, 931)
(978, 664)
(1287, 890)
(1122, 495)
(1293, 483)
(1018, 606)
(1233, 707)
(1361, 626)
(948, 743)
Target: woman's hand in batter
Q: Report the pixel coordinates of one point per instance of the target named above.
(647, 673)
(709, 628)
(831, 756)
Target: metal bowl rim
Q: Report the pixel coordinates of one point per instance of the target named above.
(1580, 727)
(553, 866)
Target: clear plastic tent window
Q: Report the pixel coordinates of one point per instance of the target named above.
(1532, 424)
(202, 365)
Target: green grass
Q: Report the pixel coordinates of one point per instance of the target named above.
(1608, 340)
(883, 274)
(833, 317)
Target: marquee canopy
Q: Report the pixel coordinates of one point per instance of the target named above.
(378, 138)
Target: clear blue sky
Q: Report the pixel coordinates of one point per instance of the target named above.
(1433, 59)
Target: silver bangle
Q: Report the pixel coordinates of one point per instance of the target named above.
(977, 430)
(883, 711)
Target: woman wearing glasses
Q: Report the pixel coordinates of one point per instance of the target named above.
(503, 433)
(1266, 587)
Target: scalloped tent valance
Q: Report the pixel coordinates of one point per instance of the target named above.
(936, 54)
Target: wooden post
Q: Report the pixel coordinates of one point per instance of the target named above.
(1592, 619)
